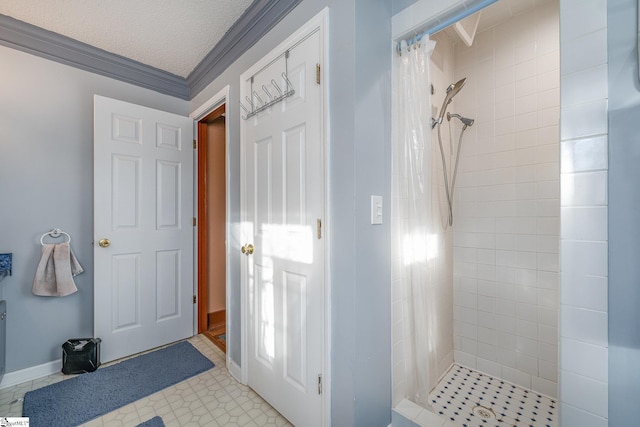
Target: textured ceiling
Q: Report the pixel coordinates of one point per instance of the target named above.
(172, 35)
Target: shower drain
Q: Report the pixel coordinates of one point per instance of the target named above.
(484, 413)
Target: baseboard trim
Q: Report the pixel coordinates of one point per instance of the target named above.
(217, 317)
(30, 374)
(234, 370)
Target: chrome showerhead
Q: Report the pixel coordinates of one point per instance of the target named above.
(466, 121)
(452, 91)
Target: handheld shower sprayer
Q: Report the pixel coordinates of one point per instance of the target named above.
(450, 183)
(452, 91)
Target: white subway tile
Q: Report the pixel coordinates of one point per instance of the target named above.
(548, 280)
(584, 189)
(525, 58)
(548, 370)
(526, 329)
(527, 121)
(527, 346)
(546, 387)
(584, 120)
(525, 139)
(548, 316)
(549, 117)
(584, 223)
(487, 335)
(467, 304)
(526, 87)
(583, 52)
(548, 99)
(548, 352)
(486, 287)
(586, 154)
(506, 357)
(548, 262)
(505, 307)
(527, 312)
(526, 277)
(584, 85)
(548, 298)
(584, 325)
(588, 292)
(582, 18)
(573, 416)
(527, 364)
(486, 351)
(549, 61)
(526, 242)
(581, 259)
(465, 359)
(548, 226)
(526, 104)
(469, 346)
(548, 334)
(516, 376)
(548, 189)
(584, 359)
(548, 171)
(504, 126)
(489, 367)
(584, 393)
(548, 244)
(548, 135)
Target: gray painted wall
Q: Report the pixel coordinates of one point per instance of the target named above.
(624, 206)
(46, 178)
(359, 166)
(46, 170)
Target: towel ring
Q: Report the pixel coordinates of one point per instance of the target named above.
(56, 232)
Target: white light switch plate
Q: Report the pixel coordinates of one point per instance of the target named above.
(376, 209)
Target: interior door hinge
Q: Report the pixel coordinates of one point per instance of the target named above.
(194, 144)
(319, 383)
(194, 299)
(318, 73)
(195, 221)
(319, 228)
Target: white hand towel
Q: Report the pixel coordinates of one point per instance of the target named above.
(54, 275)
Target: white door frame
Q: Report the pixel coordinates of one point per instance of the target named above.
(318, 22)
(222, 97)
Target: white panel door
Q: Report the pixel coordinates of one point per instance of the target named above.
(143, 232)
(284, 200)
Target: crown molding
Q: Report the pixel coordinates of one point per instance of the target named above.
(260, 17)
(47, 44)
(255, 22)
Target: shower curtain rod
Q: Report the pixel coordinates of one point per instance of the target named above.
(449, 18)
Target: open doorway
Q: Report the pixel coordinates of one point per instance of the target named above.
(212, 227)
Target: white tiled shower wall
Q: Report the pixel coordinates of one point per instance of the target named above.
(584, 144)
(584, 246)
(507, 212)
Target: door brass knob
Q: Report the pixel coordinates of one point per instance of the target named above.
(104, 243)
(247, 249)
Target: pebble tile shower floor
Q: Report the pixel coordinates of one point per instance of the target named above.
(213, 399)
(472, 399)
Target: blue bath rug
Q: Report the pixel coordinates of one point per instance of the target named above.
(153, 422)
(77, 400)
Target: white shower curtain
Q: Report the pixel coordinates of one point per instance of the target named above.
(417, 231)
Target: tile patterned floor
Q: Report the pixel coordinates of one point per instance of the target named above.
(472, 399)
(213, 399)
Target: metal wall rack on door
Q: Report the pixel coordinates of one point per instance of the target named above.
(256, 102)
